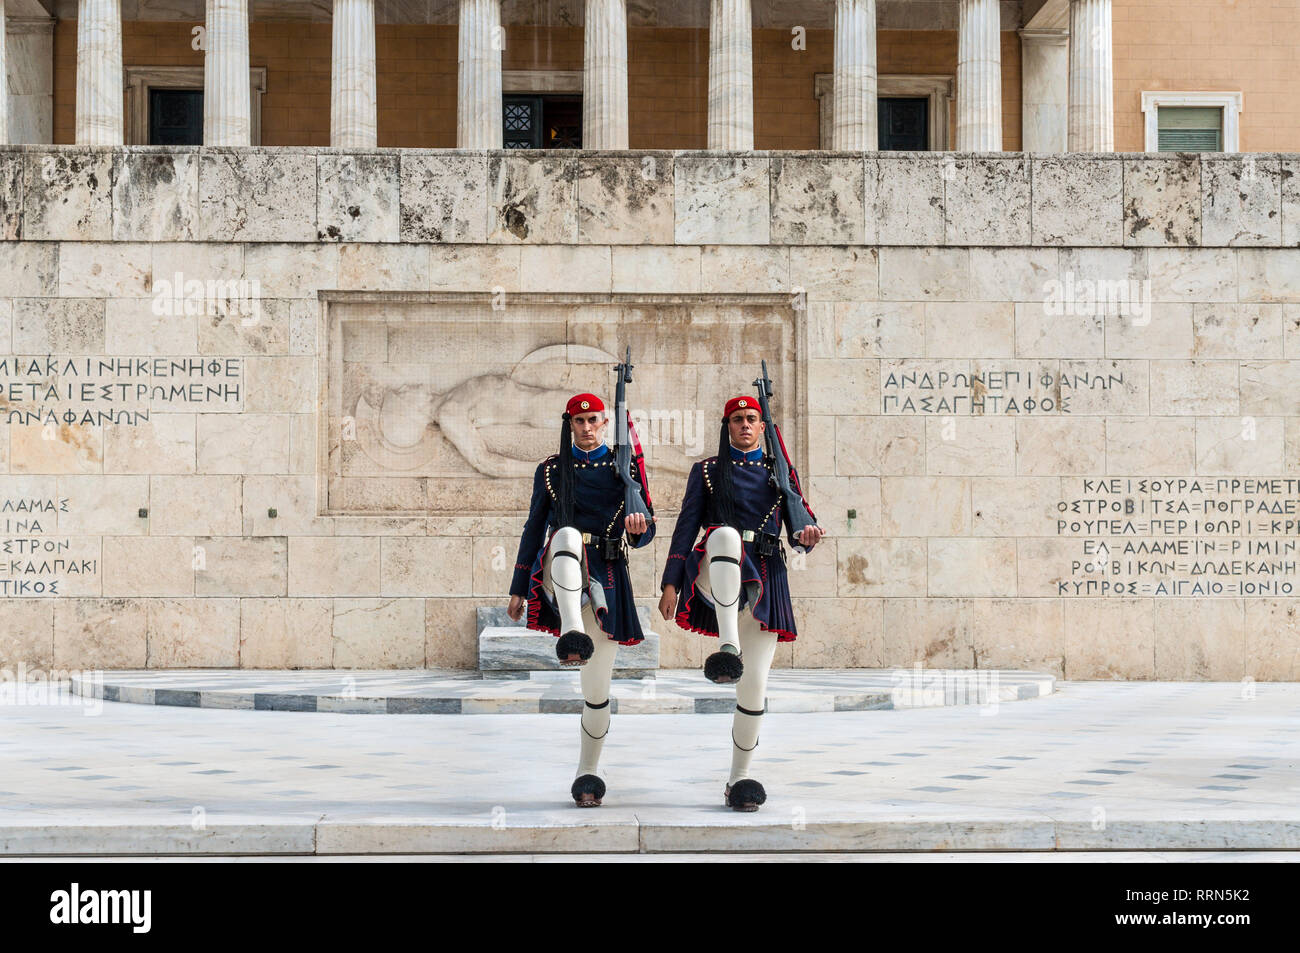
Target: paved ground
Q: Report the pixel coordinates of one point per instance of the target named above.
(873, 857)
(1096, 766)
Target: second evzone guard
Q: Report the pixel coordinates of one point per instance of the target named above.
(572, 566)
(739, 565)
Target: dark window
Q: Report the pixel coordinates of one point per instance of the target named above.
(175, 117)
(542, 122)
(903, 124)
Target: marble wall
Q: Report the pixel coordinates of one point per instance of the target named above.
(1048, 403)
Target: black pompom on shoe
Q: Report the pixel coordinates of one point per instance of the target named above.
(588, 790)
(574, 643)
(745, 795)
(723, 667)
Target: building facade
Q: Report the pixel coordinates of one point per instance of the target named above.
(280, 407)
(1232, 56)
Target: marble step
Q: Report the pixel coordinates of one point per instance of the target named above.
(688, 828)
(519, 649)
(495, 617)
(463, 692)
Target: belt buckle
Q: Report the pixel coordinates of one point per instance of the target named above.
(747, 535)
(586, 538)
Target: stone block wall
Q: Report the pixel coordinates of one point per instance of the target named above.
(1047, 405)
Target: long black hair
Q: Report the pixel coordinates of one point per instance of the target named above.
(564, 493)
(724, 496)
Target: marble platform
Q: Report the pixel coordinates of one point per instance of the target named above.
(508, 649)
(466, 693)
(1095, 766)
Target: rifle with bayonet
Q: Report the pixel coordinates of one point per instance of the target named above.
(792, 505)
(632, 502)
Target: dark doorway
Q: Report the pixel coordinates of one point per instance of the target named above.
(175, 117)
(904, 124)
(542, 122)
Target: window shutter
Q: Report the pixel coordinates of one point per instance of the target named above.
(1190, 129)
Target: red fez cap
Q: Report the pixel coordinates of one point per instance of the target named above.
(583, 404)
(740, 403)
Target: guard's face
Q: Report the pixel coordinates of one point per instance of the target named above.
(746, 428)
(587, 429)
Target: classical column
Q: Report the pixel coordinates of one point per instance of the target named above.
(1044, 90)
(478, 93)
(352, 76)
(1092, 97)
(227, 96)
(99, 73)
(731, 75)
(604, 75)
(979, 77)
(29, 52)
(4, 82)
(853, 101)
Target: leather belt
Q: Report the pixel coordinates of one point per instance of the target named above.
(611, 547)
(768, 543)
(765, 544)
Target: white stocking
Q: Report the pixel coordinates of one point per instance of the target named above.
(596, 675)
(759, 649)
(567, 572)
(723, 552)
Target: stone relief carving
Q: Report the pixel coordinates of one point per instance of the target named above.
(449, 407)
(399, 430)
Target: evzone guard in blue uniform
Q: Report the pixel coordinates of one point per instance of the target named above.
(572, 568)
(737, 565)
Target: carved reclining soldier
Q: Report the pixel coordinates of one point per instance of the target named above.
(572, 569)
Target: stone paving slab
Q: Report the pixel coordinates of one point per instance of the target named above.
(861, 857)
(154, 833)
(1094, 766)
(435, 692)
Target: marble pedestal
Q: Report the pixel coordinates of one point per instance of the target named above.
(509, 649)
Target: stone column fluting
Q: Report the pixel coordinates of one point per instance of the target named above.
(731, 75)
(979, 76)
(1092, 96)
(352, 76)
(853, 99)
(227, 95)
(604, 75)
(4, 82)
(100, 88)
(478, 84)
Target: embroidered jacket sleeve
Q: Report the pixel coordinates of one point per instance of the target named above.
(539, 511)
(689, 522)
(794, 485)
(637, 540)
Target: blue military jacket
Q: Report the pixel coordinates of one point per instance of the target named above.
(598, 509)
(765, 586)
